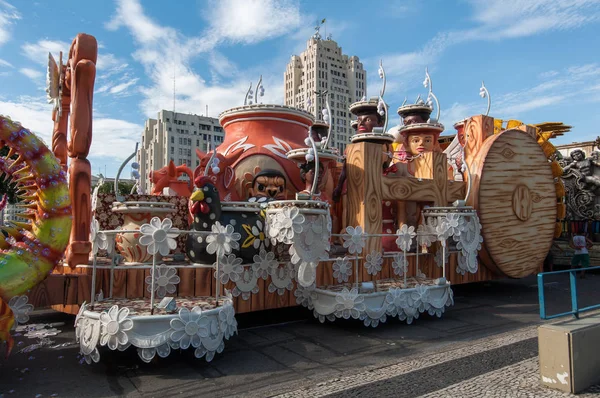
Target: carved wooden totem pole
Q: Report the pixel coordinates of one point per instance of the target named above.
(79, 78)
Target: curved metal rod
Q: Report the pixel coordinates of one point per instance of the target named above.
(381, 93)
(386, 114)
(247, 93)
(483, 90)
(257, 88)
(437, 105)
(326, 143)
(210, 160)
(121, 169)
(208, 165)
(316, 160)
(382, 72)
(428, 82)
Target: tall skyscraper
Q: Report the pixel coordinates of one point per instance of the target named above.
(322, 69)
(175, 136)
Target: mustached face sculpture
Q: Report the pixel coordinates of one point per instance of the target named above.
(268, 184)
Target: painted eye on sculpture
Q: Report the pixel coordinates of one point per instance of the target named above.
(280, 189)
(261, 187)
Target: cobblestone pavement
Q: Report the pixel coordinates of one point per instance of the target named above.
(515, 381)
(491, 329)
(370, 382)
(485, 368)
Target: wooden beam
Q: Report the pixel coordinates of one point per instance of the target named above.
(364, 175)
(430, 183)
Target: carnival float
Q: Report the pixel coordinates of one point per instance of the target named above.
(271, 218)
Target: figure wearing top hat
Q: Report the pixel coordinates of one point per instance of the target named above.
(419, 133)
(370, 127)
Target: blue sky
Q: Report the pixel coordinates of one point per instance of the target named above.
(539, 59)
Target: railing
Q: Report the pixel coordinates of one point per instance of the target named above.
(575, 310)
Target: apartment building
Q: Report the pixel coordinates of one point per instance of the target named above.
(175, 136)
(323, 69)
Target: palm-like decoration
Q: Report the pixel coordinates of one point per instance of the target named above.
(53, 88)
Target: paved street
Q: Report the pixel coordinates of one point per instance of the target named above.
(484, 346)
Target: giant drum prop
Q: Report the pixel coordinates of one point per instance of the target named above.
(514, 194)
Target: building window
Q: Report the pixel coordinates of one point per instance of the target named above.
(172, 138)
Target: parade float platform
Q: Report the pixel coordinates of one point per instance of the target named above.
(199, 324)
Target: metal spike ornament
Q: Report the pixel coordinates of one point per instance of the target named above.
(260, 90)
(248, 97)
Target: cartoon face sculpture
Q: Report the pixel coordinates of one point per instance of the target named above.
(414, 118)
(420, 142)
(269, 184)
(367, 121)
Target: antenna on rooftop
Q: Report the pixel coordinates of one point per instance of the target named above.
(173, 88)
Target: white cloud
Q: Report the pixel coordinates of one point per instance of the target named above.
(38, 52)
(548, 74)
(33, 74)
(5, 63)
(251, 21)
(113, 140)
(517, 18)
(8, 15)
(573, 85)
(193, 92)
(121, 88)
(494, 20)
(112, 72)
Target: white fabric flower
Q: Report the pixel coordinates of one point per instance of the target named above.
(454, 221)
(189, 327)
(114, 325)
(264, 261)
(227, 322)
(286, 223)
(98, 238)
(20, 308)
(400, 264)
(222, 240)
(374, 262)
(305, 296)
(159, 236)
(349, 303)
(405, 237)
(230, 268)
(354, 240)
(165, 280)
(342, 269)
(443, 231)
(426, 235)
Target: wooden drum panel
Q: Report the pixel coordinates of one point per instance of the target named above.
(515, 197)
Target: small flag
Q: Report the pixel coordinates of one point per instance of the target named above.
(323, 21)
